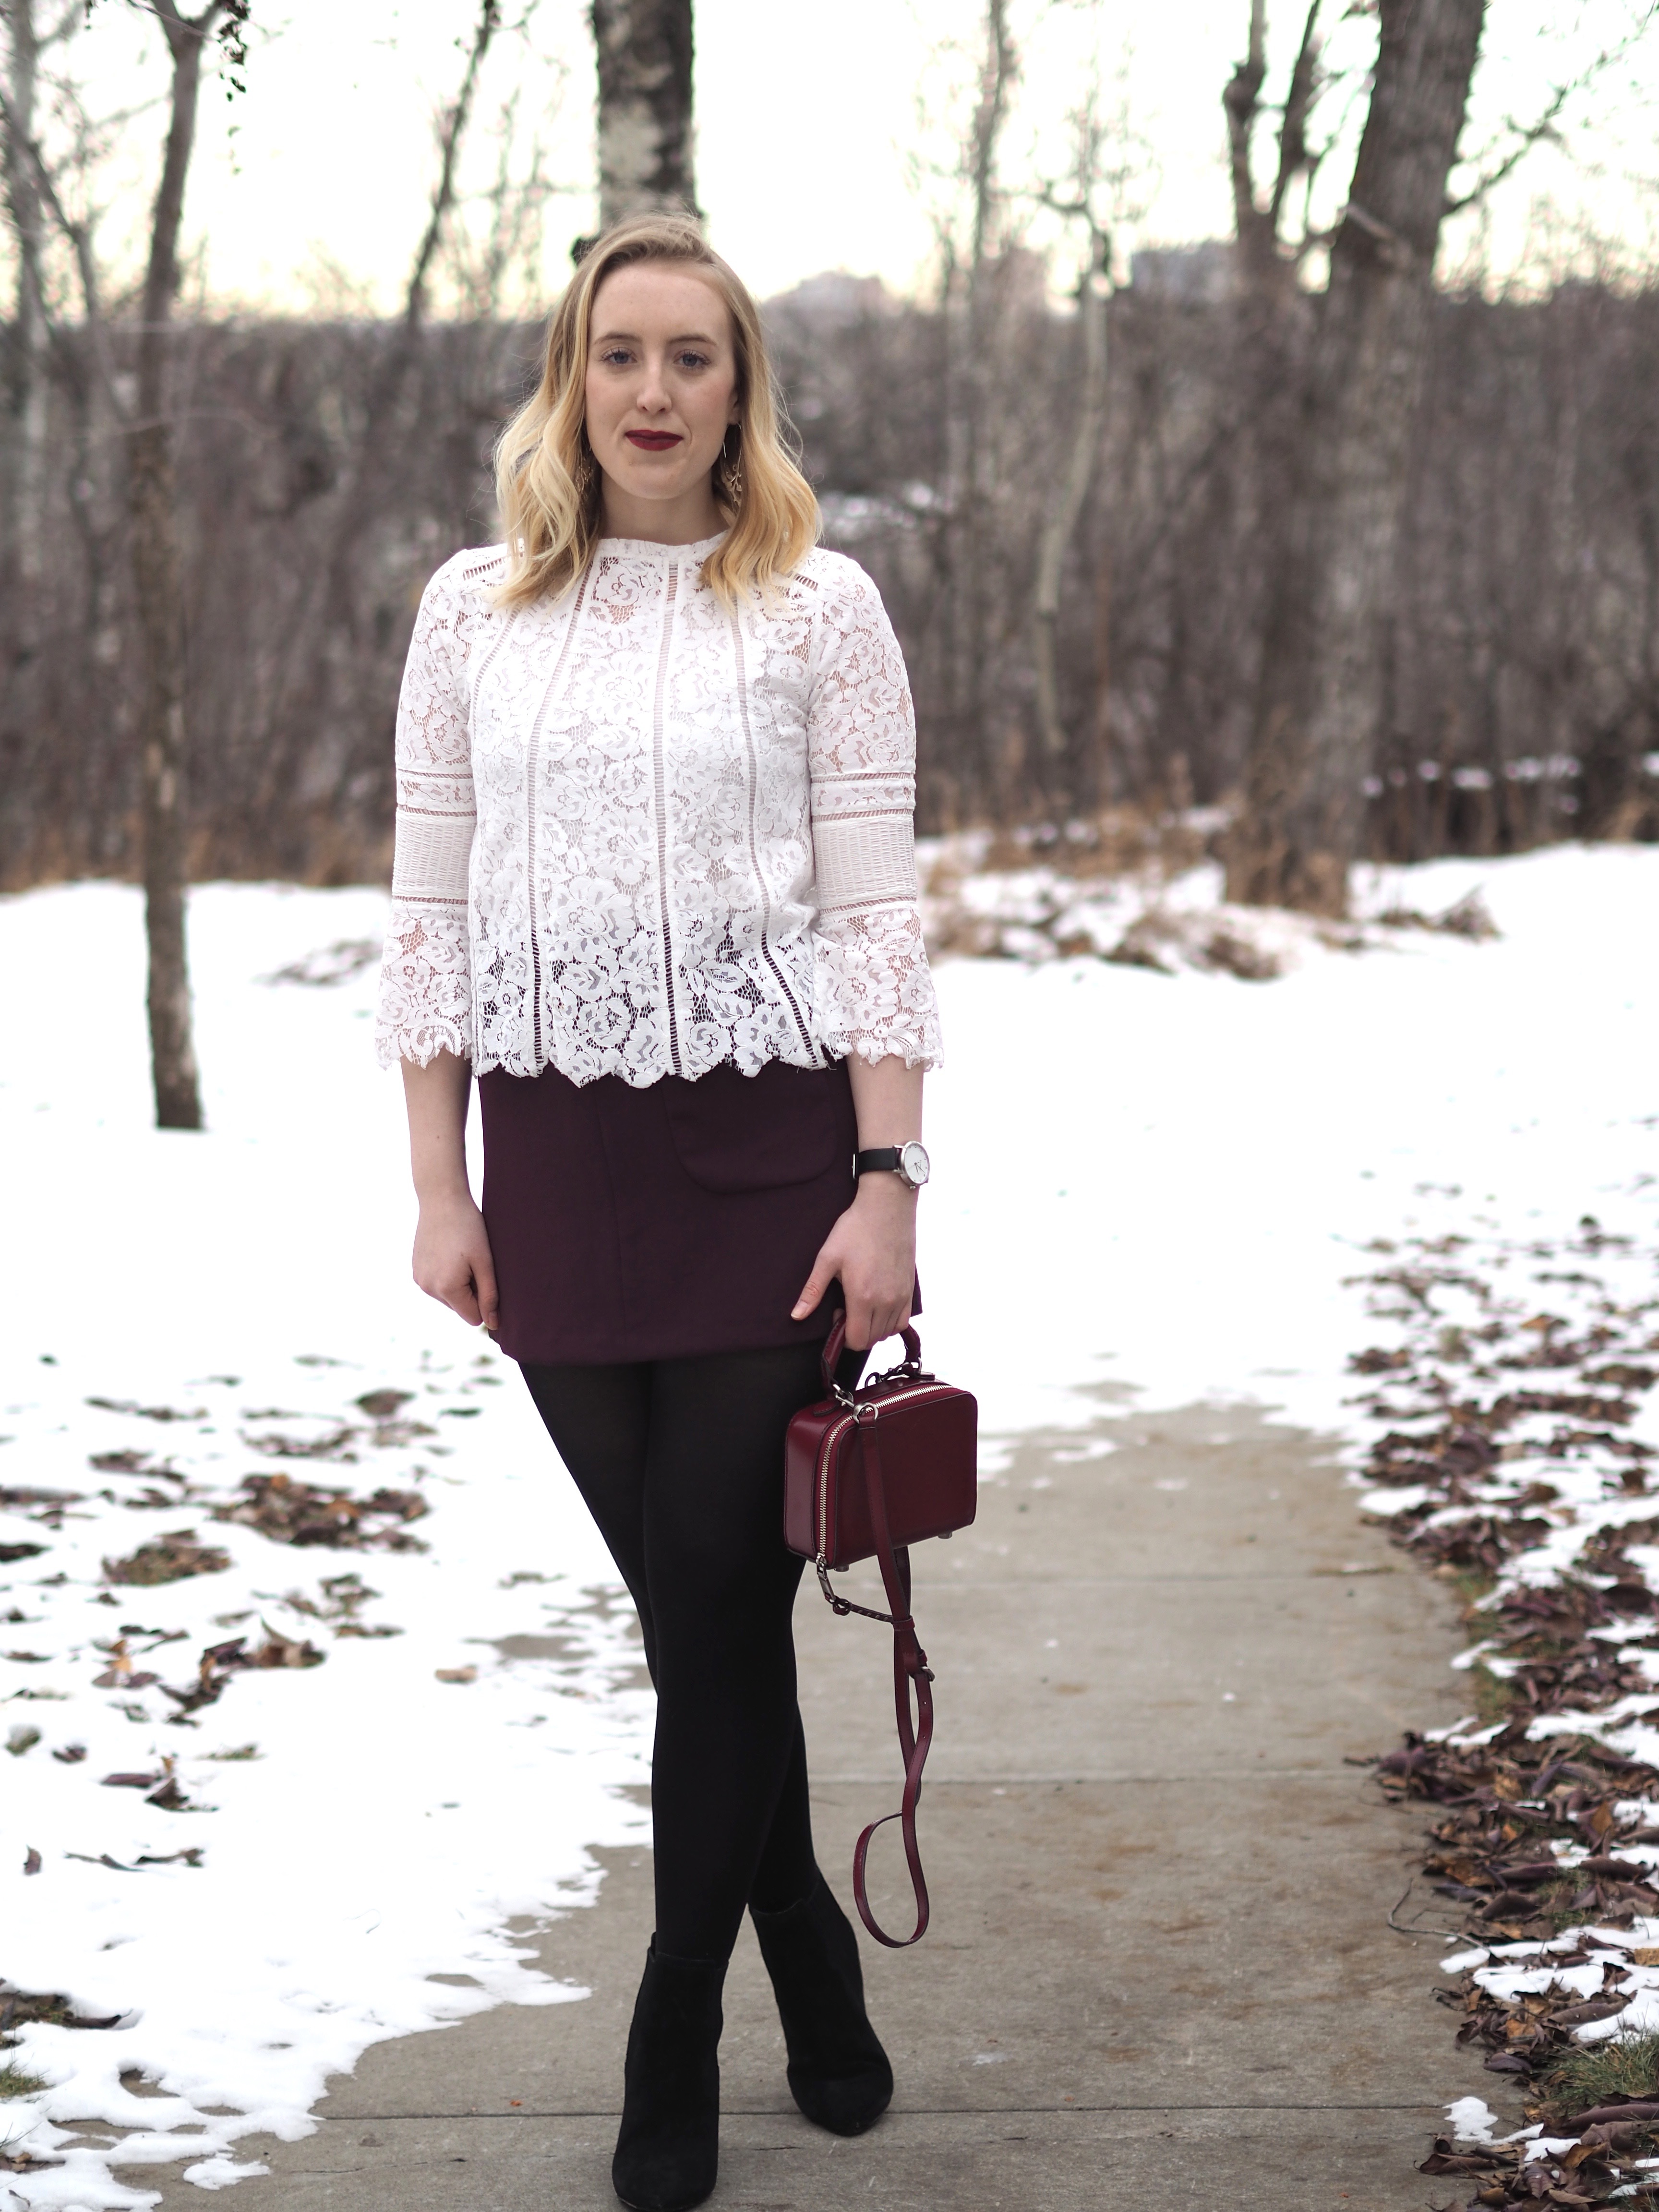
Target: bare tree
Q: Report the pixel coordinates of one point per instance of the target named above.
(1325, 660)
(152, 507)
(24, 458)
(1356, 358)
(153, 533)
(1078, 202)
(1072, 488)
(452, 130)
(398, 362)
(973, 235)
(1267, 258)
(494, 267)
(327, 630)
(644, 53)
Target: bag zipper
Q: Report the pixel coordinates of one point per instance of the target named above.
(826, 1453)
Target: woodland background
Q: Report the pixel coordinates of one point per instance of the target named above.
(323, 466)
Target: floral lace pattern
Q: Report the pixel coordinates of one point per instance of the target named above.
(639, 833)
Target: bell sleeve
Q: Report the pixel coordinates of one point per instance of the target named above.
(873, 992)
(426, 972)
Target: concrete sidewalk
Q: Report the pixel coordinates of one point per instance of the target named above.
(1159, 1972)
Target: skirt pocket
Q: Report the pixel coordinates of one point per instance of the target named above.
(742, 1132)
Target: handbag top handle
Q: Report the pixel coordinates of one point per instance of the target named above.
(836, 1343)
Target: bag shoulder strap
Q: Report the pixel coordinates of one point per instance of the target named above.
(910, 1668)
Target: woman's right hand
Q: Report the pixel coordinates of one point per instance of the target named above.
(453, 1261)
(452, 1245)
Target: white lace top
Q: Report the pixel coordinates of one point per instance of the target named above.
(640, 835)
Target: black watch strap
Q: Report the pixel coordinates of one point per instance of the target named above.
(885, 1157)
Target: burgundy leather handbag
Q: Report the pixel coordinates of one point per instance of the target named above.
(867, 1472)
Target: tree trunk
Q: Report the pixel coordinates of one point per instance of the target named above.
(1061, 520)
(1322, 703)
(23, 461)
(644, 53)
(162, 738)
(1255, 232)
(153, 519)
(1262, 267)
(973, 305)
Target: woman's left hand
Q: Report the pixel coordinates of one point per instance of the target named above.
(872, 1248)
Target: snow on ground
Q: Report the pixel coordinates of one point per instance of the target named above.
(1149, 1189)
(252, 1284)
(1160, 1181)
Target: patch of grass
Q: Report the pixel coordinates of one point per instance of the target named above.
(1493, 1699)
(1555, 1905)
(15, 2083)
(1469, 1585)
(1586, 2075)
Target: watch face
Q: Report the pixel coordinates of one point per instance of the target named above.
(913, 1165)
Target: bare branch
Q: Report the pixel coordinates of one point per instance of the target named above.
(228, 20)
(514, 205)
(1527, 136)
(1061, 520)
(184, 36)
(65, 27)
(1356, 86)
(1541, 129)
(1293, 156)
(451, 131)
(999, 73)
(1256, 226)
(79, 238)
(1241, 100)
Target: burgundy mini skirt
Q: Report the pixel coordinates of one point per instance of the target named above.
(662, 1222)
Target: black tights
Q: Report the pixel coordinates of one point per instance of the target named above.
(681, 1464)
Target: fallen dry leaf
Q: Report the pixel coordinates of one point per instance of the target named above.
(294, 1512)
(169, 1558)
(280, 1650)
(1474, 1416)
(382, 1405)
(25, 2008)
(148, 1412)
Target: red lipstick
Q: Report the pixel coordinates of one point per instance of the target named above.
(653, 441)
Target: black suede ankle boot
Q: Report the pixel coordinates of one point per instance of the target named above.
(668, 2146)
(838, 2072)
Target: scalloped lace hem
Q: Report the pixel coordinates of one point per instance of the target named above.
(916, 1051)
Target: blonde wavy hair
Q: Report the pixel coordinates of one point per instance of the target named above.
(548, 484)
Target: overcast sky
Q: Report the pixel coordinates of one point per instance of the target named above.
(808, 126)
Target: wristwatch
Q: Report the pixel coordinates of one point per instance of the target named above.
(908, 1162)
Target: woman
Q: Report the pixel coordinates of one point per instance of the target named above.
(655, 881)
